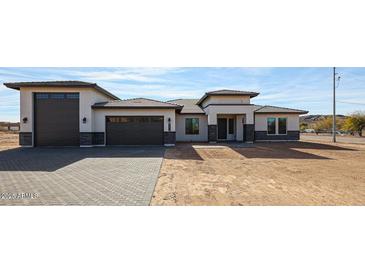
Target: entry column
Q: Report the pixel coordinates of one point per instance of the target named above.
(212, 128)
(249, 128)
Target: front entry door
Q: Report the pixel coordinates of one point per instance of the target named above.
(231, 129)
(222, 128)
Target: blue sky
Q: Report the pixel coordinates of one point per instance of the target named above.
(303, 88)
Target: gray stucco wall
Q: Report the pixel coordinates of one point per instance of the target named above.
(180, 128)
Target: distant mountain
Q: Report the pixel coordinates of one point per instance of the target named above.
(314, 118)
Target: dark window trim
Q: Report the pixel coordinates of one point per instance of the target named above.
(267, 124)
(186, 124)
(286, 126)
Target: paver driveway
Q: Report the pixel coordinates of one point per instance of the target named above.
(79, 176)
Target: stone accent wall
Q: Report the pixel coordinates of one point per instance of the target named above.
(290, 136)
(169, 137)
(212, 133)
(91, 138)
(249, 132)
(98, 138)
(25, 138)
(86, 138)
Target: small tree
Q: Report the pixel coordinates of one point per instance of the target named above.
(303, 126)
(355, 122)
(325, 124)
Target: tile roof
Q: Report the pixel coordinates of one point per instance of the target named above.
(273, 109)
(136, 103)
(227, 92)
(189, 106)
(18, 85)
(233, 92)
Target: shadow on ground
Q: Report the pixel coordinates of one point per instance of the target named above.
(288, 150)
(51, 159)
(282, 150)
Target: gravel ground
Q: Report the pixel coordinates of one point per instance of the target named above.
(328, 138)
(293, 173)
(8, 139)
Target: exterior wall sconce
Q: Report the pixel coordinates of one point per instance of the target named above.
(84, 120)
(169, 124)
(25, 120)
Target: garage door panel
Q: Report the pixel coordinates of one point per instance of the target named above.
(134, 130)
(57, 119)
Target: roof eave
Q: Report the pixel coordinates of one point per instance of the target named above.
(17, 86)
(282, 112)
(138, 107)
(105, 92)
(12, 86)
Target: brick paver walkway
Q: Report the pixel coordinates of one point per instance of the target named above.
(79, 176)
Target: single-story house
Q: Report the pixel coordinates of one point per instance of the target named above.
(75, 113)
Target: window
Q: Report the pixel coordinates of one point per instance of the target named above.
(230, 126)
(57, 96)
(192, 126)
(41, 96)
(271, 125)
(282, 125)
(72, 96)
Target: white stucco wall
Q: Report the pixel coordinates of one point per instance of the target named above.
(226, 99)
(239, 127)
(26, 110)
(213, 111)
(180, 128)
(100, 114)
(261, 121)
(88, 96)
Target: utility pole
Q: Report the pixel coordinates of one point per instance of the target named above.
(334, 107)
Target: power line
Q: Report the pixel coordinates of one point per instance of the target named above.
(352, 103)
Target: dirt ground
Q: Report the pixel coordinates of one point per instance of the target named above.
(8, 139)
(293, 173)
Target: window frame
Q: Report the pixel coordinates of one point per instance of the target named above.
(192, 130)
(267, 125)
(286, 126)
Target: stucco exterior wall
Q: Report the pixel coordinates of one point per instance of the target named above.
(213, 111)
(239, 127)
(180, 128)
(261, 121)
(100, 114)
(226, 99)
(26, 111)
(88, 96)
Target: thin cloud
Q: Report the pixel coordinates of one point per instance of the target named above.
(305, 88)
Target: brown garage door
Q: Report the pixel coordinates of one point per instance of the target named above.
(56, 119)
(134, 130)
